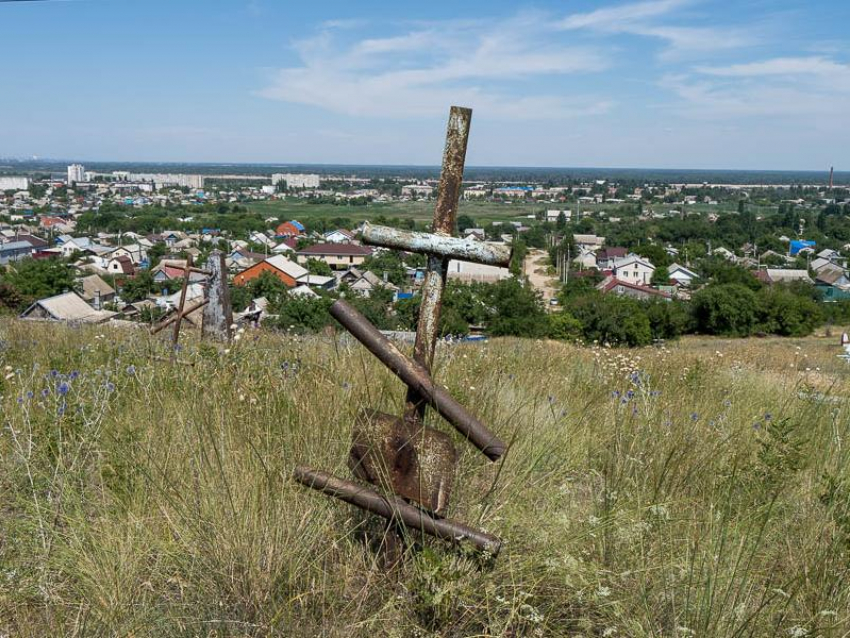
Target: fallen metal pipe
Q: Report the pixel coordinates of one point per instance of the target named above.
(459, 248)
(397, 510)
(419, 380)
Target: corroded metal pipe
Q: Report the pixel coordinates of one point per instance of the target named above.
(418, 380)
(395, 510)
(445, 218)
(472, 250)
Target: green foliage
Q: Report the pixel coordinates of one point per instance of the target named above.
(781, 312)
(139, 287)
(390, 262)
(612, 319)
(38, 278)
(668, 319)
(564, 327)
(514, 309)
(725, 309)
(318, 267)
(302, 314)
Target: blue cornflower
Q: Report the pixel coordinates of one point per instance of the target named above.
(54, 373)
(45, 392)
(61, 409)
(630, 394)
(63, 388)
(131, 370)
(551, 399)
(655, 393)
(768, 416)
(616, 394)
(30, 394)
(694, 417)
(20, 400)
(74, 374)
(110, 387)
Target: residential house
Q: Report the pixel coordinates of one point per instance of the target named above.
(633, 269)
(337, 256)
(287, 271)
(630, 289)
(783, 275)
(725, 253)
(95, 291)
(339, 236)
(121, 265)
(589, 243)
(681, 275)
(606, 257)
(364, 282)
(467, 272)
(833, 284)
(14, 251)
(171, 269)
(68, 307)
(290, 229)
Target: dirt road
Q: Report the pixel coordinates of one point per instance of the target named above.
(536, 268)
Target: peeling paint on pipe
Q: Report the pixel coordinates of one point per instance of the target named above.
(479, 252)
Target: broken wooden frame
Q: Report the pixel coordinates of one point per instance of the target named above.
(218, 313)
(402, 455)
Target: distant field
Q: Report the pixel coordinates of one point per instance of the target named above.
(697, 490)
(483, 212)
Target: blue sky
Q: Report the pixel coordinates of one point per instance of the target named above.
(658, 83)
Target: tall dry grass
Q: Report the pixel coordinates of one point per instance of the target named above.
(697, 490)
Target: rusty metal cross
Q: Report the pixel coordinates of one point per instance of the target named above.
(414, 462)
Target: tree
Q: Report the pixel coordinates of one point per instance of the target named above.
(564, 327)
(612, 319)
(514, 309)
(725, 309)
(561, 223)
(39, 278)
(318, 267)
(782, 312)
(464, 222)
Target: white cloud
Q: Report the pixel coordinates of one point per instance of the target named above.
(485, 65)
(798, 88)
(621, 17)
(814, 65)
(642, 19)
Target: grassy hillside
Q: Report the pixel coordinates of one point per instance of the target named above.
(699, 490)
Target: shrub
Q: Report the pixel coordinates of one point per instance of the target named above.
(781, 312)
(725, 309)
(611, 319)
(668, 319)
(564, 327)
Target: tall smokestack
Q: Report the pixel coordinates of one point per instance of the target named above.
(831, 173)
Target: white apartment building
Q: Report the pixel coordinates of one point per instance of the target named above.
(13, 183)
(76, 173)
(296, 180)
(162, 180)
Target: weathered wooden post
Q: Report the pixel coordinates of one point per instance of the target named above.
(402, 456)
(218, 313)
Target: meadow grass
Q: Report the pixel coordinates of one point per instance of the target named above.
(699, 489)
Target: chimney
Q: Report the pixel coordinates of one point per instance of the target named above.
(97, 300)
(386, 276)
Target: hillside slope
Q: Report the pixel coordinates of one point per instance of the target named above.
(696, 490)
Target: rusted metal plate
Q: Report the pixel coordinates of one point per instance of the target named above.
(413, 461)
(396, 509)
(460, 248)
